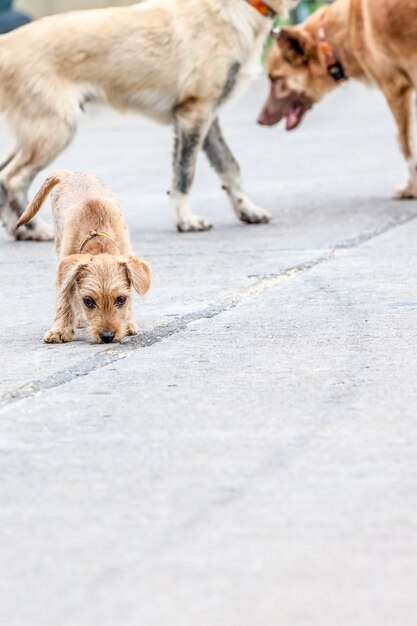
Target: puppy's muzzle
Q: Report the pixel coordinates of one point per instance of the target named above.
(107, 336)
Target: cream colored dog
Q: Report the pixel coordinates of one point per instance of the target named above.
(97, 268)
(178, 61)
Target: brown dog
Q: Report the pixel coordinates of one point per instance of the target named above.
(371, 40)
(96, 269)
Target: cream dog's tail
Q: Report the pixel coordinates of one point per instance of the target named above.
(54, 179)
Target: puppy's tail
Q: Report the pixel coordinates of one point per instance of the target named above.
(54, 179)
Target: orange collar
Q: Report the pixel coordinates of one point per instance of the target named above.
(335, 69)
(262, 7)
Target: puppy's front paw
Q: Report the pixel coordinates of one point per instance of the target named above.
(58, 335)
(132, 329)
(194, 224)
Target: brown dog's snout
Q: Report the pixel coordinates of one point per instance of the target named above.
(265, 117)
(107, 336)
(270, 114)
(292, 107)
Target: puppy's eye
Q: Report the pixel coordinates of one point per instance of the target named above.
(275, 79)
(121, 300)
(89, 303)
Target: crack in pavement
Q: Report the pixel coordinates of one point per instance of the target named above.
(147, 339)
(393, 223)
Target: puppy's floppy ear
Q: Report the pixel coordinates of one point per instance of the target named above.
(296, 45)
(139, 273)
(69, 269)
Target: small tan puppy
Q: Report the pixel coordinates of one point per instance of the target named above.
(373, 41)
(97, 268)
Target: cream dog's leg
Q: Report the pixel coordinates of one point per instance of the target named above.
(4, 217)
(52, 136)
(15, 180)
(6, 160)
(226, 166)
(192, 121)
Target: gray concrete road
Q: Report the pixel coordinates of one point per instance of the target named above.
(250, 458)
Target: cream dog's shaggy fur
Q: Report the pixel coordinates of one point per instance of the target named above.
(97, 268)
(178, 61)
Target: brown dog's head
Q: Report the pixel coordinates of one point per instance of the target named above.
(298, 76)
(99, 288)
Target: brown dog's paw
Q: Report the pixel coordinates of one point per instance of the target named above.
(404, 193)
(58, 335)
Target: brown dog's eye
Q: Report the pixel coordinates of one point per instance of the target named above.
(89, 303)
(121, 300)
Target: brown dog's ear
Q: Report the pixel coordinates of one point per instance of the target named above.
(68, 270)
(139, 274)
(296, 45)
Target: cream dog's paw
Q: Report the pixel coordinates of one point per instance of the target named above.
(251, 214)
(35, 231)
(194, 224)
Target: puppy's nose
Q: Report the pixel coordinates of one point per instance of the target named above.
(107, 336)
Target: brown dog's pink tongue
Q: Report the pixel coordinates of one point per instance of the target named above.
(294, 116)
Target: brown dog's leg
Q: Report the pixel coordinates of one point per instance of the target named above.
(226, 166)
(401, 99)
